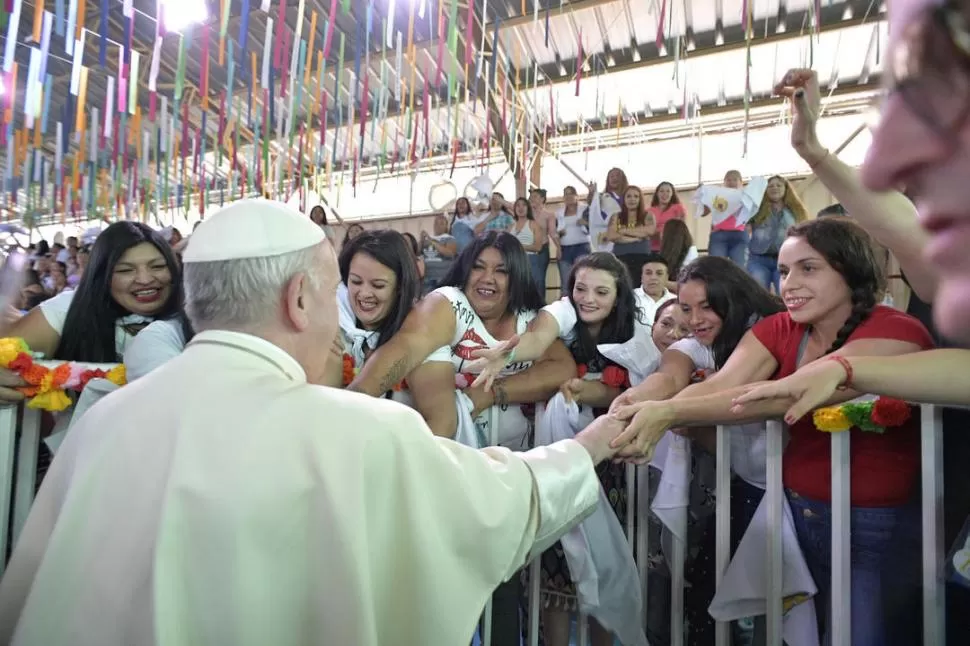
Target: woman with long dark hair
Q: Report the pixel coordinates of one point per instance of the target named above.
(721, 302)
(678, 249)
(630, 230)
(487, 296)
(533, 237)
(830, 285)
(132, 279)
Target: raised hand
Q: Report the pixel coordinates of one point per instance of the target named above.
(809, 388)
(489, 362)
(646, 424)
(801, 86)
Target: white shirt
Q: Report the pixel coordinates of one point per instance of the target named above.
(748, 441)
(265, 510)
(650, 306)
(573, 232)
(55, 312)
(158, 343)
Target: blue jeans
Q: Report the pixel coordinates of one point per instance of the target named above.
(764, 269)
(568, 255)
(874, 533)
(729, 244)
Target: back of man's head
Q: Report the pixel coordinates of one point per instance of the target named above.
(240, 263)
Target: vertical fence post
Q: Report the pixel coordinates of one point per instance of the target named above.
(722, 634)
(841, 616)
(640, 505)
(774, 494)
(26, 469)
(934, 601)
(8, 434)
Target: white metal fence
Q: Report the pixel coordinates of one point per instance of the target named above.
(17, 491)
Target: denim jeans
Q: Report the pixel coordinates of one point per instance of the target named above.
(729, 244)
(764, 269)
(568, 255)
(875, 566)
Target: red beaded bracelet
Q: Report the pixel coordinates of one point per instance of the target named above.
(847, 382)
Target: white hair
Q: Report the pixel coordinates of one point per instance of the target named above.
(244, 293)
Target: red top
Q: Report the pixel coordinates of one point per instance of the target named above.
(883, 466)
(673, 212)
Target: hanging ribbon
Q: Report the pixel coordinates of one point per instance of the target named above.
(8, 49)
(69, 37)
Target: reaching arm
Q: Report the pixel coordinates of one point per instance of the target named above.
(671, 377)
(432, 385)
(889, 216)
(652, 418)
(536, 384)
(935, 376)
(429, 326)
(489, 362)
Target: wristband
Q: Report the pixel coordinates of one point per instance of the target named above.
(842, 361)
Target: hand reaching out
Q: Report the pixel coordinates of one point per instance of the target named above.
(809, 388)
(489, 362)
(646, 424)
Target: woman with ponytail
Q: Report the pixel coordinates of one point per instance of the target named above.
(830, 286)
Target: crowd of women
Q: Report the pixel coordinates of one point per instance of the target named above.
(790, 305)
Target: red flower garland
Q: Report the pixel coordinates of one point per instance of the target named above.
(889, 412)
(612, 376)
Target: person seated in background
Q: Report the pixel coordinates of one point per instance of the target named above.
(439, 251)
(833, 210)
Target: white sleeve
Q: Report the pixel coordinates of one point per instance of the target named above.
(55, 310)
(153, 346)
(564, 313)
(691, 256)
(441, 355)
(701, 355)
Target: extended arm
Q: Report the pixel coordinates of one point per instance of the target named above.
(432, 385)
(889, 216)
(429, 326)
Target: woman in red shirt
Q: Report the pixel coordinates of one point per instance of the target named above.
(831, 283)
(664, 206)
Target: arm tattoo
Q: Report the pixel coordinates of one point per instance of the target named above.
(397, 372)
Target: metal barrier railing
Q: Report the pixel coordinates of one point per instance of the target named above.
(17, 491)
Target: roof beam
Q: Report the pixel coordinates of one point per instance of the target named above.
(707, 42)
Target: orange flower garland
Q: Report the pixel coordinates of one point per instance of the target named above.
(46, 385)
(350, 371)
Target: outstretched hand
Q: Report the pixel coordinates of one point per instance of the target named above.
(646, 423)
(489, 362)
(809, 388)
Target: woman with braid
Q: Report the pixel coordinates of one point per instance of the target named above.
(830, 286)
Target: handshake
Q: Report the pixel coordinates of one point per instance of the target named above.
(628, 432)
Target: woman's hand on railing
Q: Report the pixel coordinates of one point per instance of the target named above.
(809, 388)
(489, 362)
(8, 381)
(646, 424)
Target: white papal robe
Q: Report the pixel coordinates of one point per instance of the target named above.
(223, 500)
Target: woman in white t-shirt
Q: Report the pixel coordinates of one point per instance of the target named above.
(132, 278)
(721, 302)
(572, 223)
(600, 308)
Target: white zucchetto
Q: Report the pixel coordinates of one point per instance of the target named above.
(255, 228)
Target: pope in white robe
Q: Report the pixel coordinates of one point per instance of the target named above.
(225, 499)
